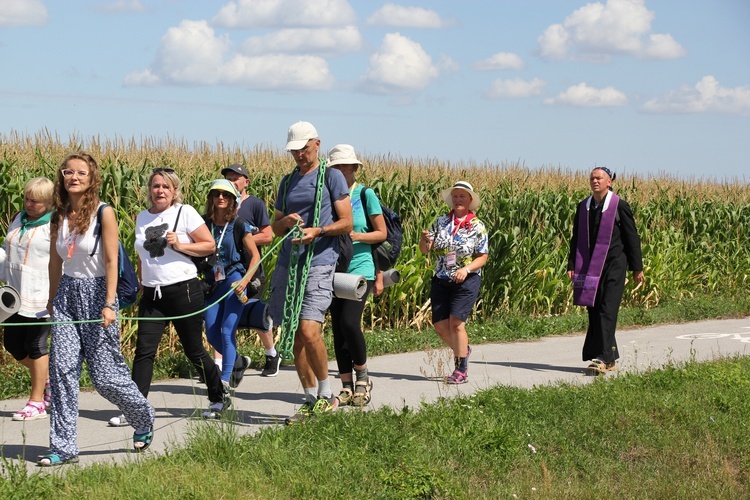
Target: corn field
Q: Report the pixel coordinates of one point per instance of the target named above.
(694, 233)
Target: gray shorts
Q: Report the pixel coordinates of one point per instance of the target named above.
(317, 298)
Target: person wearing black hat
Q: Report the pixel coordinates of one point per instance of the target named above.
(605, 243)
(254, 211)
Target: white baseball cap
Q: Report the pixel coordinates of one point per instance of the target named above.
(299, 134)
(342, 154)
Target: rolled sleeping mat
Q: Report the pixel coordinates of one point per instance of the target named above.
(256, 315)
(10, 302)
(390, 277)
(349, 286)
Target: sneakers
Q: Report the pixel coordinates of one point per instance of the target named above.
(457, 378)
(272, 365)
(307, 410)
(216, 410)
(118, 421)
(32, 411)
(303, 414)
(238, 372)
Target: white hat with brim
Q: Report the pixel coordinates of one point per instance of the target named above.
(342, 154)
(299, 134)
(448, 193)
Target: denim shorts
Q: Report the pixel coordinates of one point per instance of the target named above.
(317, 298)
(449, 298)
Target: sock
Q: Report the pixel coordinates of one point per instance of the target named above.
(218, 362)
(311, 394)
(361, 374)
(324, 388)
(348, 385)
(456, 361)
(463, 364)
(271, 352)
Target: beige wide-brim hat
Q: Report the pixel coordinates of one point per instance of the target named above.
(342, 154)
(447, 193)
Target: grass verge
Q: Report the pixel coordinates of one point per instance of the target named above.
(677, 432)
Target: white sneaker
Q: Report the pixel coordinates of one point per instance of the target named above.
(119, 421)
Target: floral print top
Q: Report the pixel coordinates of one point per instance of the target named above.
(465, 241)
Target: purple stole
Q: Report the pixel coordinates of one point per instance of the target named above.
(588, 269)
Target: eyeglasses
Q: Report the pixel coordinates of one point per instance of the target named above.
(81, 174)
(162, 170)
(223, 194)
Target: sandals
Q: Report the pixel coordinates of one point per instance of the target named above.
(141, 442)
(345, 396)
(53, 460)
(456, 378)
(32, 411)
(362, 392)
(599, 367)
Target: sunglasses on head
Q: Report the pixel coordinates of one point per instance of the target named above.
(162, 170)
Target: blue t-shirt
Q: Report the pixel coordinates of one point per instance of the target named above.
(229, 255)
(300, 199)
(362, 258)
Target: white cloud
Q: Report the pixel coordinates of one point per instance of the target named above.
(514, 88)
(399, 16)
(305, 41)
(23, 13)
(500, 61)
(400, 65)
(274, 13)
(120, 6)
(584, 96)
(707, 96)
(597, 31)
(192, 54)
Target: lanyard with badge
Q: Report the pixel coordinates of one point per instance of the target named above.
(450, 258)
(219, 272)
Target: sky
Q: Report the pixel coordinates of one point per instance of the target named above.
(648, 87)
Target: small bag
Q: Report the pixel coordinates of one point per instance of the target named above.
(127, 279)
(204, 264)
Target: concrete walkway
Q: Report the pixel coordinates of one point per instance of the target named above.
(401, 379)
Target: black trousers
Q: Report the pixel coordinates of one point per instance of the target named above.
(600, 338)
(179, 299)
(348, 339)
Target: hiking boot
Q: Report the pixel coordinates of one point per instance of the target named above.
(238, 372)
(217, 409)
(325, 405)
(303, 415)
(272, 365)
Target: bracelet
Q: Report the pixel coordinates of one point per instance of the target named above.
(111, 305)
(468, 269)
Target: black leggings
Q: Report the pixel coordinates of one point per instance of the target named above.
(176, 300)
(348, 339)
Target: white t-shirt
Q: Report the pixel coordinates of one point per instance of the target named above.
(160, 264)
(75, 251)
(27, 267)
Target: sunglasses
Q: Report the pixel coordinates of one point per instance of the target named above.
(161, 170)
(223, 194)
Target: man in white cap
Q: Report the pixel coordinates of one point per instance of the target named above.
(253, 210)
(295, 204)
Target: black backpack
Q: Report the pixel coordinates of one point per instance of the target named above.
(385, 253)
(127, 280)
(346, 248)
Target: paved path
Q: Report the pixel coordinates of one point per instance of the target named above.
(401, 379)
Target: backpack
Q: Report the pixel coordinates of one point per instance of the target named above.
(127, 280)
(385, 253)
(346, 248)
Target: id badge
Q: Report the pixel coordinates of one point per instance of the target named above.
(450, 259)
(219, 272)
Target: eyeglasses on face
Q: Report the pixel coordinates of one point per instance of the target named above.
(67, 173)
(163, 170)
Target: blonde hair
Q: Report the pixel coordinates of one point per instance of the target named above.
(40, 188)
(172, 179)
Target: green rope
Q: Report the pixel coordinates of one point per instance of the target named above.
(295, 291)
(250, 272)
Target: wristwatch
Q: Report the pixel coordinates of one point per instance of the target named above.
(111, 305)
(322, 232)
